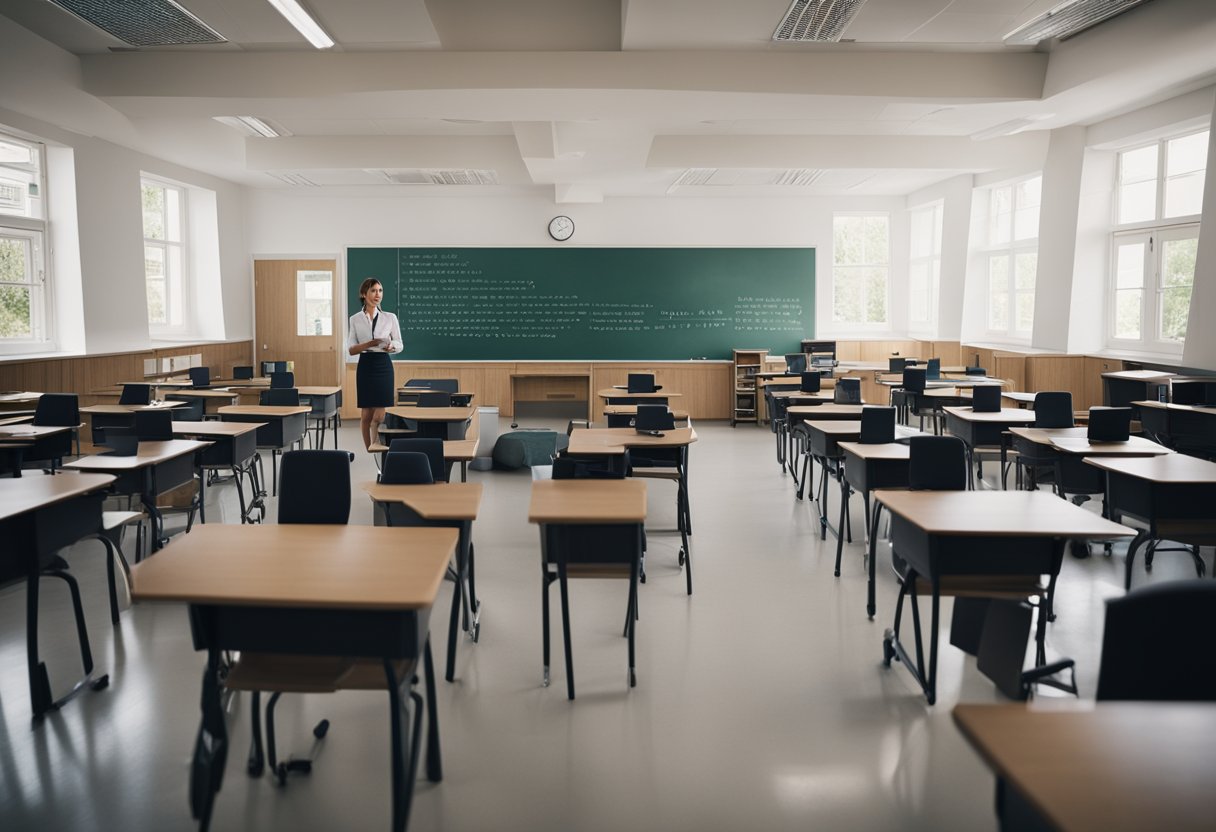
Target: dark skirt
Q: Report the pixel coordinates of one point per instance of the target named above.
(374, 380)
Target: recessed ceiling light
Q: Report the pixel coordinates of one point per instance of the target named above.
(1009, 128)
(253, 126)
(462, 120)
(304, 24)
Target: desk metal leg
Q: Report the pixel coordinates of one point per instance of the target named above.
(561, 577)
(406, 739)
(211, 746)
(870, 604)
(434, 763)
(844, 514)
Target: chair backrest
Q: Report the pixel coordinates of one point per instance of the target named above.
(877, 425)
(811, 382)
(640, 383)
(933, 369)
(154, 425)
(57, 410)
(937, 463)
(795, 362)
(121, 442)
(654, 417)
(896, 365)
(135, 394)
(447, 385)
(1157, 644)
(1109, 424)
(986, 398)
(314, 487)
(1053, 409)
(191, 410)
(1190, 392)
(435, 398)
(848, 391)
(976, 371)
(200, 376)
(914, 379)
(242, 372)
(281, 380)
(431, 448)
(280, 397)
(406, 468)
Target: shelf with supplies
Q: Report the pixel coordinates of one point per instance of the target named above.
(744, 405)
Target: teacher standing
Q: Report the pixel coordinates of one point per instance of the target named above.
(373, 335)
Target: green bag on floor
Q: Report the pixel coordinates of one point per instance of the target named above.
(524, 448)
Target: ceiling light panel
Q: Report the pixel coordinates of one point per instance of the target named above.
(816, 20)
(303, 22)
(143, 22)
(1067, 19)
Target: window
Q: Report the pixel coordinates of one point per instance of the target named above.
(314, 303)
(924, 265)
(1155, 241)
(24, 293)
(164, 211)
(1012, 256)
(861, 257)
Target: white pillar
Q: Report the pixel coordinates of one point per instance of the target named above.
(1200, 348)
(1061, 198)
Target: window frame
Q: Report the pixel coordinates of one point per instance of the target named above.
(845, 325)
(1010, 250)
(302, 303)
(37, 231)
(1156, 231)
(167, 246)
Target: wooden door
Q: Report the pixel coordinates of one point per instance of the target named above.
(291, 321)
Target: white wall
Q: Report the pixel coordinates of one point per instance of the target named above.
(1200, 348)
(299, 222)
(1061, 196)
(955, 195)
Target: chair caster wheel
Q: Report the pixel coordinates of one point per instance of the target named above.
(642, 577)
(682, 557)
(255, 768)
(633, 678)
(475, 633)
(888, 652)
(545, 681)
(321, 730)
(280, 775)
(100, 683)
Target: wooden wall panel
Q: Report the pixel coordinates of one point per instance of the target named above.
(1057, 372)
(950, 352)
(1094, 368)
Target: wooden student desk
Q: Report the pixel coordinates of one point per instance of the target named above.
(103, 416)
(866, 469)
(323, 401)
(1186, 428)
(1120, 389)
(620, 395)
(1070, 447)
(154, 469)
(588, 528)
(358, 592)
(436, 422)
(1104, 766)
(444, 504)
(13, 400)
(39, 515)
(1174, 494)
(281, 427)
(20, 438)
(632, 410)
(984, 430)
(463, 451)
(233, 446)
(981, 543)
(795, 415)
(212, 399)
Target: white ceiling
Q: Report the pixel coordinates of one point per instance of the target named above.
(593, 99)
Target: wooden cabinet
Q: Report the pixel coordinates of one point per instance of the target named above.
(744, 403)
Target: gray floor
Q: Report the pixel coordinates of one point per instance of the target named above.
(761, 700)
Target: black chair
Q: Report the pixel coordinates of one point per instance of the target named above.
(1053, 409)
(976, 371)
(1156, 646)
(154, 425)
(896, 365)
(986, 398)
(848, 391)
(404, 468)
(937, 463)
(200, 377)
(192, 408)
(431, 448)
(136, 394)
(280, 397)
(795, 363)
(641, 383)
(242, 372)
(1109, 424)
(281, 380)
(435, 398)
(654, 417)
(811, 382)
(586, 551)
(911, 399)
(667, 464)
(877, 428)
(1036, 463)
(933, 369)
(58, 410)
(157, 426)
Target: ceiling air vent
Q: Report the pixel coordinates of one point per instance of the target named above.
(143, 22)
(816, 20)
(294, 179)
(1067, 19)
(725, 177)
(434, 176)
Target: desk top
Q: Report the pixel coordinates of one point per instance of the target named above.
(1109, 766)
(164, 382)
(18, 396)
(432, 414)
(20, 419)
(37, 490)
(456, 450)
(24, 431)
(886, 451)
(129, 408)
(270, 411)
(827, 409)
(1189, 408)
(438, 501)
(319, 390)
(1006, 415)
(1167, 468)
(632, 410)
(822, 395)
(835, 427)
(588, 501)
(618, 393)
(1134, 446)
(998, 513)
(618, 440)
(215, 428)
(148, 453)
(344, 567)
(1139, 375)
(259, 381)
(205, 394)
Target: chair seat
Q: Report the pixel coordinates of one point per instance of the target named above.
(309, 674)
(597, 570)
(111, 520)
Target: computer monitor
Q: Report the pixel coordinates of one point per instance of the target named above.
(641, 383)
(933, 369)
(986, 398)
(811, 382)
(848, 391)
(1109, 424)
(795, 363)
(200, 376)
(242, 373)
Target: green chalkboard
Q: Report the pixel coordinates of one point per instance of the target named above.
(591, 303)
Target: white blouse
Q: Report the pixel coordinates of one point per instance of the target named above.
(360, 330)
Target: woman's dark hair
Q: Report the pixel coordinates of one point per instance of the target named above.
(366, 286)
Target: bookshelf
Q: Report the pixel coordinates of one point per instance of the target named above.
(747, 363)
